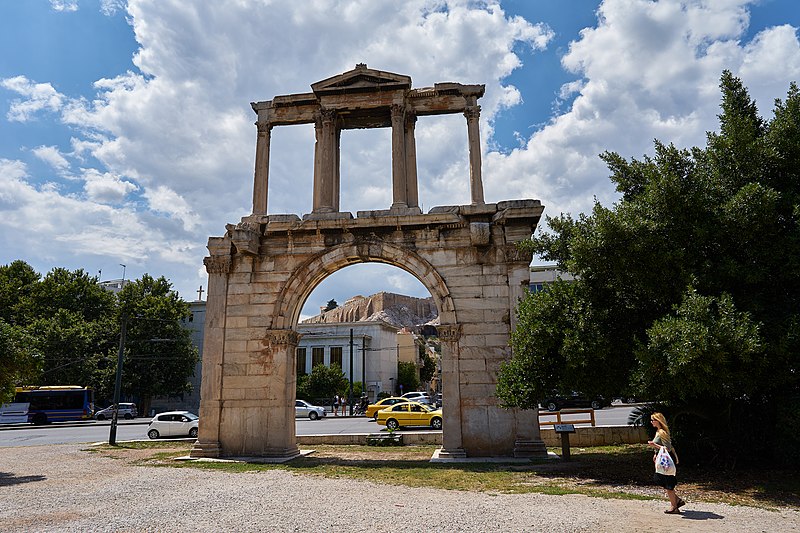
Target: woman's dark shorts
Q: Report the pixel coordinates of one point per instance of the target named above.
(668, 482)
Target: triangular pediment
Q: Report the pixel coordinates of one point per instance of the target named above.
(362, 78)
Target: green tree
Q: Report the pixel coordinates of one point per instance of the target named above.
(407, 376)
(17, 279)
(687, 290)
(159, 354)
(428, 369)
(331, 305)
(18, 361)
(324, 382)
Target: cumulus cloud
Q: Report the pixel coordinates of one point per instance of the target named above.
(105, 187)
(38, 97)
(646, 70)
(52, 156)
(167, 149)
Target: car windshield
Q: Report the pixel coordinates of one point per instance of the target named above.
(191, 416)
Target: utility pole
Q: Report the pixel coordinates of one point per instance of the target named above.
(112, 436)
(351, 372)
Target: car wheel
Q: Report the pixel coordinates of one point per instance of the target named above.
(552, 406)
(192, 433)
(596, 404)
(630, 400)
(101, 417)
(128, 416)
(392, 424)
(436, 423)
(375, 416)
(153, 433)
(39, 419)
(313, 415)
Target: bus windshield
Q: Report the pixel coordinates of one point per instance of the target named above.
(56, 403)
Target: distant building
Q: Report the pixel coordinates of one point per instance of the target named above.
(113, 285)
(543, 275)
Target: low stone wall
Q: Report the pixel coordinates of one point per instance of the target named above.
(598, 436)
(583, 436)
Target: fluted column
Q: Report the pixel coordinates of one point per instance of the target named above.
(473, 114)
(317, 190)
(412, 194)
(261, 178)
(399, 186)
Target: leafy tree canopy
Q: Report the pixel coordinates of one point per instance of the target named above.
(687, 290)
(331, 305)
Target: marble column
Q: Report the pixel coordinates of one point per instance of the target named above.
(326, 162)
(261, 178)
(412, 194)
(399, 178)
(473, 114)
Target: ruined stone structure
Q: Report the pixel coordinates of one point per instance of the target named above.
(264, 268)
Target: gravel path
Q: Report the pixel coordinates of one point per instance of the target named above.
(61, 488)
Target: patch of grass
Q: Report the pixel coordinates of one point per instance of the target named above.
(620, 472)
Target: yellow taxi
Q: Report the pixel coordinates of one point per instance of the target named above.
(409, 414)
(372, 409)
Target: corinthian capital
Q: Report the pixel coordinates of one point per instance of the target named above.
(473, 112)
(449, 332)
(398, 112)
(217, 264)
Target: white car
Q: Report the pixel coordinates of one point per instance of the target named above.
(173, 424)
(304, 409)
(418, 396)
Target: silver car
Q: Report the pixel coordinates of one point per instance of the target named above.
(126, 410)
(173, 424)
(304, 409)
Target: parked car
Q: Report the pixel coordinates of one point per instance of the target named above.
(173, 424)
(372, 409)
(126, 410)
(418, 396)
(576, 399)
(410, 414)
(304, 409)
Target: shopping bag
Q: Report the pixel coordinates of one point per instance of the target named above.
(664, 463)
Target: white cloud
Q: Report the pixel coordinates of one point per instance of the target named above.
(104, 187)
(40, 96)
(52, 156)
(179, 131)
(64, 5)
(647, 70)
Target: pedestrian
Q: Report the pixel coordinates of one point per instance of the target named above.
(335, 405)
(343, 403)
(668, 482)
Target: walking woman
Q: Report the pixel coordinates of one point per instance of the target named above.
(664, 439)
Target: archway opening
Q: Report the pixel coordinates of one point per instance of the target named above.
(375, 324)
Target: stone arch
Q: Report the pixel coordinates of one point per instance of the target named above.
(306, 278)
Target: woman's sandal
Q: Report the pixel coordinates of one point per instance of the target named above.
(672, 511)
(681, 503)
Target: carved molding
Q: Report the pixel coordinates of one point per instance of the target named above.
(218, 264)
(411, 118)
(263, 127)
(398, 112)
(449, 332)
(245, 236)
(513, 254)
(282, 337)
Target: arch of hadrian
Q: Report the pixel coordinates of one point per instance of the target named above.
(263, 269)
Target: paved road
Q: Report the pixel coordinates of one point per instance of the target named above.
(137, 429)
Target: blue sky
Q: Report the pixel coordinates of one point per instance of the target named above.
(126, 135)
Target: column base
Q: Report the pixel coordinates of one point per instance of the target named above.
(452, 453)
(530, 448)
(205, 449)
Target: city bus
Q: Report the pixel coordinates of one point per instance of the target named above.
(56, 403)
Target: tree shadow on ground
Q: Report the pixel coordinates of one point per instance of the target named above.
(7, 479)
